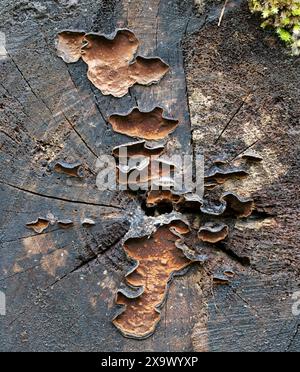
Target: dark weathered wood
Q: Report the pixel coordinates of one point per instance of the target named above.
(242, 94)
(60, 285)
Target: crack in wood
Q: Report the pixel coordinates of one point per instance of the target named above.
(60, 199)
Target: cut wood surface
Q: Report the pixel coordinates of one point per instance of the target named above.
(61, 284)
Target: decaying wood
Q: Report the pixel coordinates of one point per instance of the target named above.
(243, 100)
(61, 282)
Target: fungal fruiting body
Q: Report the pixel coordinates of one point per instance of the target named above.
(69, 44)
(112, 66)
(138, 149)
(158, 259)
(161, 197)
(237, 206)
(151, 126)
(213, 233)
(39, 225)
(70, 169)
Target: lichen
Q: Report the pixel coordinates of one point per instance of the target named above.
(284, 17)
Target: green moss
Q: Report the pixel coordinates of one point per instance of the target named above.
(284, 17)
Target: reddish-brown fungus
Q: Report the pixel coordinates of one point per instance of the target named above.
(213, 233)
(146, 71)
(159, 197)
(158, 259)
(220, 176)
(69, 44)
(110, 60)
(39, 226)
(237, 206)
(146, 125)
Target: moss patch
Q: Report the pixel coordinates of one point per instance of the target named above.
(284, 17)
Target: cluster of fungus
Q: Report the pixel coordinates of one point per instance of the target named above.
(165, 252)
(41, 224)
(112, 65)
(157, 259)
(160, 250)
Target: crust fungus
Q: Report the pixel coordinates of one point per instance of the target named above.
(213, 233)
(139, 165)
(146, 125)
(110, 59)
(137, 150)
(237, 206)
(252, 156)
(223, 277)
(161, 197)
(147, 71)
(187, 202)
(231, 205)
(39, 226)
(213, 209)
(217, 175)
(145, 174)
(220, 279)
(65, 224)
(71, 169)
(158, 259)
(69, 44)
(190, 202)
(88, 222)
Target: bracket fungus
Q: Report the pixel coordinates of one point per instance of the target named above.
(152, 125)
(69, 44)
(237, 206)
(112, 66)
(218, 175)
(223, 277)
(180, 202)
(213, 233)
(147, 71)
(161, 197)
(145, 173)
(88, 222)
(162, 252)
(71, 169)
(157, 259)
(65, 224)
(220, 279)
(190, 202)
(137, 150)
(230, 205)
(252, 156)
(39, 225)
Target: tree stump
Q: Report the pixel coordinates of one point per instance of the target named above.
(60, 279)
